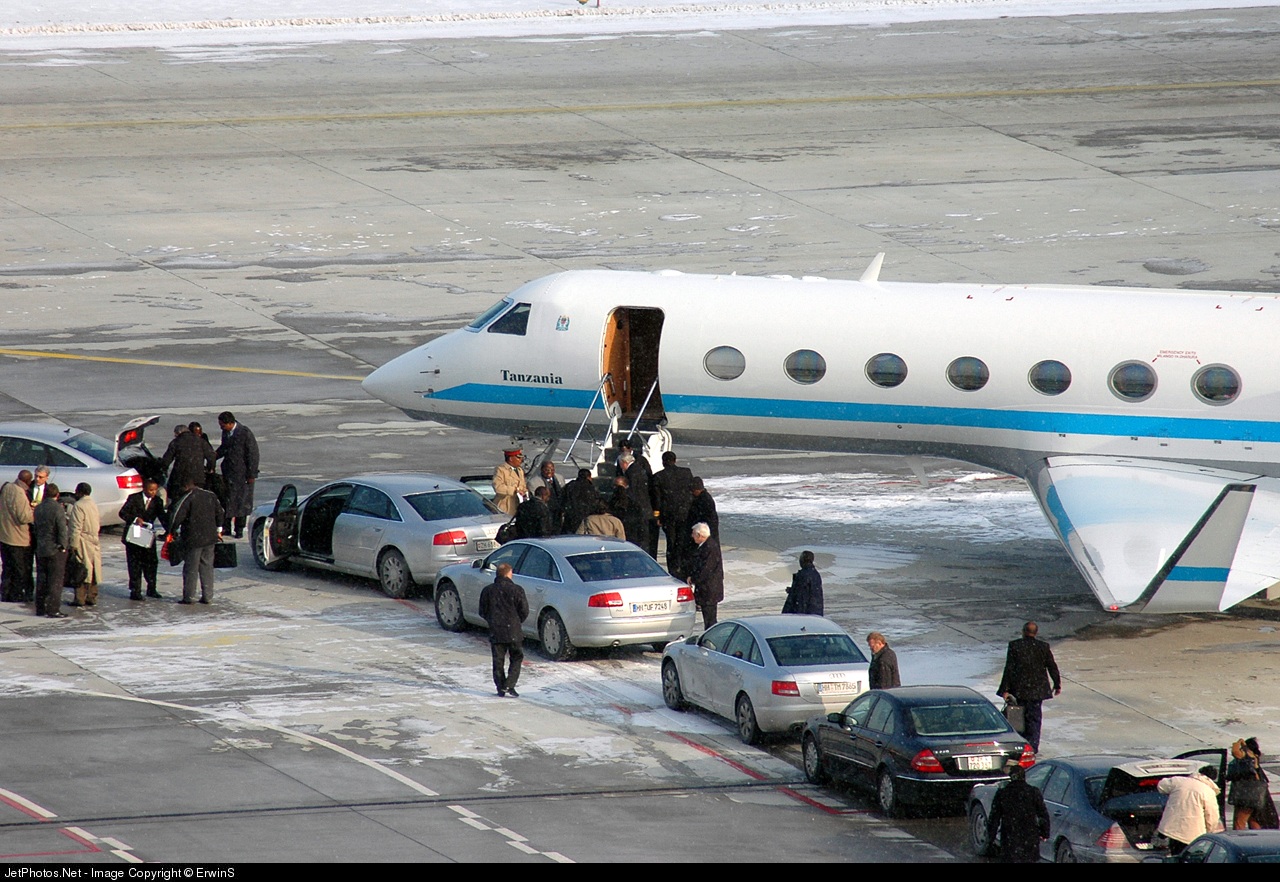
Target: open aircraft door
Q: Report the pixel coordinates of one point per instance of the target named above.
(630, 358)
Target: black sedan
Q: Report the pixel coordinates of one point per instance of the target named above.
(914, 745)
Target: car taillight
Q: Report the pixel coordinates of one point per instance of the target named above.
(606, 600)
(786, 687)
(1113, 838)
(452, 537)
(925, 761)
(129, 482)
(684, 594)
(1028, 758)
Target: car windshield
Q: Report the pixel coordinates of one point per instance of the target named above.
(957, 719)
(444, 505)
(609, 566)
(94, 445)
(803, 650)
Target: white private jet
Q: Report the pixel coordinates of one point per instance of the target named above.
(1146, 422)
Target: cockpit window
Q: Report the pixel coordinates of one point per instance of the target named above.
(487, 316)
(515, 322)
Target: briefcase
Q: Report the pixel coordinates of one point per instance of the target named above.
(224, 556)
(1016, 714)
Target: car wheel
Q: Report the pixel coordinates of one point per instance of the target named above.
(555, 639)
(887, 793)
(263, 556)
(815, 769)
(748, 728)
(979, 841)
(449, 607)
(672, 694)
(1064, 853)
(393, 574)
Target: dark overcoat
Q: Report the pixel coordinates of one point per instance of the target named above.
(1028, 669)
(504, 606)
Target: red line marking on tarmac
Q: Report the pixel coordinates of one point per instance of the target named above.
(625, 711)
(752, 773)
(813, 803)
(25, 808)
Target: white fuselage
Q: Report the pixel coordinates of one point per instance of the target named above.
(540, 384)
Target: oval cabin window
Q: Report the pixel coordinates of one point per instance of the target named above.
(886, 370)
(1133, 381)
(724, 363)
(805, 366)
(1050, 377)
(968, 374)
(1216, 384)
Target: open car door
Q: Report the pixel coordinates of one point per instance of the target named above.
(282, 530)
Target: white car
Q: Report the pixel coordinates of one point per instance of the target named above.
(582, 591)
(769, 674)
(114, 469)
(397, 528)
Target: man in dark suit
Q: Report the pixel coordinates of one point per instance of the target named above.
(504, 606)
(706, 573)
(144, 509)
(239, 455)
(673, 487)
(1019, 818)
(533, 517)
(882, 673)
(1028, 668)
(195, 518)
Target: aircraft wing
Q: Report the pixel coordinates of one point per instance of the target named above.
(1163, 537)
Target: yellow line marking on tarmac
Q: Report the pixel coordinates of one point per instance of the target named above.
(183, 365)
(1117, 89)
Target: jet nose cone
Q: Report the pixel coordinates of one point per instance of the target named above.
(396, 381)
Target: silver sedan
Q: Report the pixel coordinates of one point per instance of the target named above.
(399, 529)
(114, 469)
(767, 673)
(582, 590)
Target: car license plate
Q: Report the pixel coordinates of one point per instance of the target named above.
(978, 763)
(649, 607)
(835, 688)
(486, 544)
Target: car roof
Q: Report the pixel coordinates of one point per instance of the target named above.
(1248, 841)
(1096, 764)
(788, 625)
(582, 544)
(916, 695)
(51, 433)
(403, 483)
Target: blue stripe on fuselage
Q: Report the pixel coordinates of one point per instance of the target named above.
(1118, 425)
(1198, 574)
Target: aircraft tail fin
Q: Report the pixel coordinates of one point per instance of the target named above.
(1195, 576)
(872, 272)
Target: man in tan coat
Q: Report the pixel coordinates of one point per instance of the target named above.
(17, 582)
(509, 485)
(85, 524)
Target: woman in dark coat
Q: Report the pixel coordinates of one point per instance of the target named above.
(804, 597)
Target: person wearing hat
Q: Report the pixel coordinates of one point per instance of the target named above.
(509, 485)
(1018, 817)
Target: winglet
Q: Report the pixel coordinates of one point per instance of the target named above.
(872, 272)
(1195, 576)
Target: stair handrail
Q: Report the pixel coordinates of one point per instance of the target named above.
(582, 427)
(643, 408)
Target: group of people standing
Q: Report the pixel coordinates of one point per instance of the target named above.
(46, 545)
(641, 502)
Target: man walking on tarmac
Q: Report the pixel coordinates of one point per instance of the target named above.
(1028, 668)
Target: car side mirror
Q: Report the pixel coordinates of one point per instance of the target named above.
(477, 563)
(837, 718)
